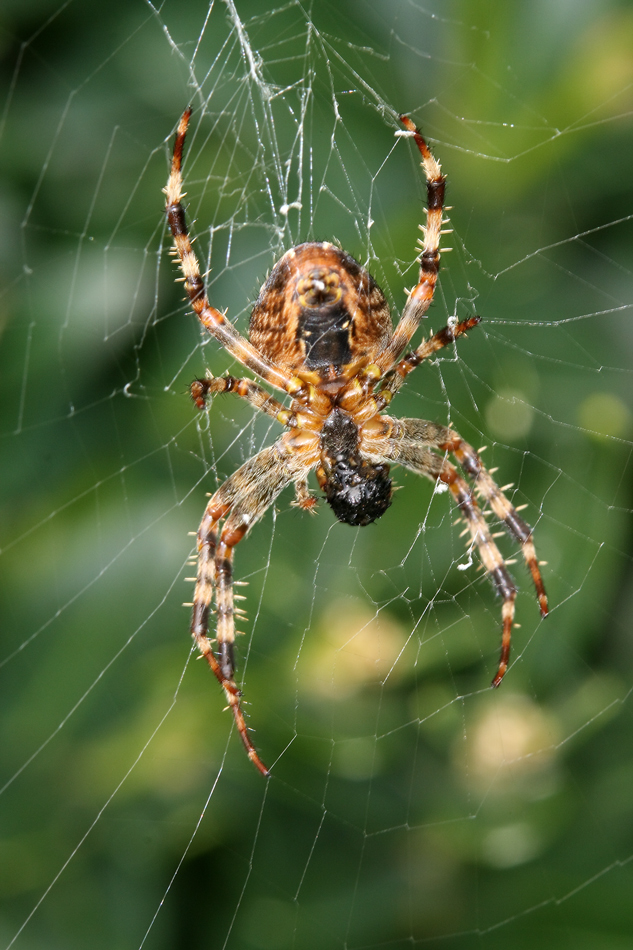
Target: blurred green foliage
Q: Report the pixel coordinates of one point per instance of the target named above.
(408, 804)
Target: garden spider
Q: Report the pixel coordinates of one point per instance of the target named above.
(321, 332)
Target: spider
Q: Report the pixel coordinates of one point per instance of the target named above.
(321, 332)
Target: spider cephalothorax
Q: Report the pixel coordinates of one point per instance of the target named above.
(358, 491)
(321, 332)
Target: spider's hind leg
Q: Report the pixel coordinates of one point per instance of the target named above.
(421, 297)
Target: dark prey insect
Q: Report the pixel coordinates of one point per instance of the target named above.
(321, 332)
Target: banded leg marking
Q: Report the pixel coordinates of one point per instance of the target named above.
(247, 389)
(414, 443)
(241, 500)
(487, 488)
(491, 558)
(213, 321)
(215, 571)
(421, 296)
(427, 348)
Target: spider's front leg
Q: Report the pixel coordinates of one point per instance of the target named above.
(215, 571)
(411, 442)
(241, 500)
(490, 555)
(489, 491)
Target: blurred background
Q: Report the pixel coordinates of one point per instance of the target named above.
(408, 804)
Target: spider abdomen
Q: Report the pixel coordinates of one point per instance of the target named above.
(358, 491)
(325, 334)
(319, 310)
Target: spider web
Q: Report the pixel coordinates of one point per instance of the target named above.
(408, 804)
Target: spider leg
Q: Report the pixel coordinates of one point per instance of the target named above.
(410, 444)
(449, 334)
(487, 488)
(207, 551)
(421, 296)
(211, 319)
(490, 556)
(249, 390)
(242, 500)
